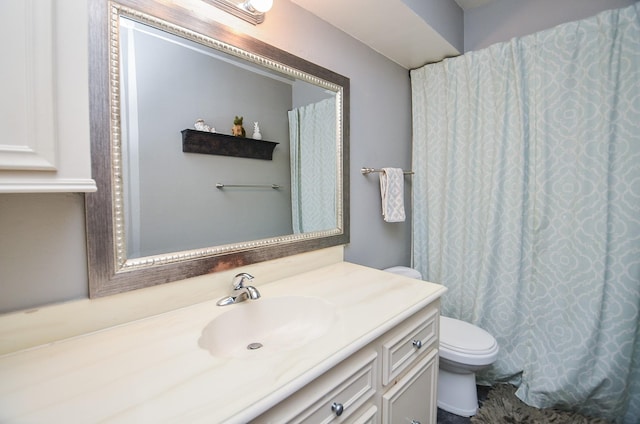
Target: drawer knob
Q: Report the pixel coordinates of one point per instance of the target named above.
(417, 344)
(415, 422)
(337, 408)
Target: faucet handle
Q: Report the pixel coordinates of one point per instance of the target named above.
(239, 279)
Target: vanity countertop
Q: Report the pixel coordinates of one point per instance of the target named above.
(153, 370)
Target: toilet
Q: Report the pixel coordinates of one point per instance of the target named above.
(464, 349)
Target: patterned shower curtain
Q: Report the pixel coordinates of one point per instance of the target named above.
(527, 207)
(312, 135)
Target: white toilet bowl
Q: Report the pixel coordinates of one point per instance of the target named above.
(464, 349)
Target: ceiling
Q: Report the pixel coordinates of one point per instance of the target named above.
(411, 45)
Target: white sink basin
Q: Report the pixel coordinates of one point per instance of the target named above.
(266, 325)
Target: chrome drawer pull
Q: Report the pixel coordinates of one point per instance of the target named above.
(417, 344)
(415, 422)
(338, 408)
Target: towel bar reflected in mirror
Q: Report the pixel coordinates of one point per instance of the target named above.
(366, 171)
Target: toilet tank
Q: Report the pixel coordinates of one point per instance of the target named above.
(404, 271)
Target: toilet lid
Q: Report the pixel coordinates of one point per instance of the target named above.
(460, 336)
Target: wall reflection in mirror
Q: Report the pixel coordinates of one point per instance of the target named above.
(170, 198)
(157, 216)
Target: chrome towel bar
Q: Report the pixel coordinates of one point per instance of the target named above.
(273, 186)
(366, 171)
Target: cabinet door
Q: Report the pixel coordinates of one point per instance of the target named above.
(27, 115)
(413, 398)
(44, 105)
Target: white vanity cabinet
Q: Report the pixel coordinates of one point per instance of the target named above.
(375, 363)
(409, 370)
(44, 108)
(413, 398)
(391, 380)
(337, 396)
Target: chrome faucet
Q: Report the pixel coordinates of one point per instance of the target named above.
(240, 291)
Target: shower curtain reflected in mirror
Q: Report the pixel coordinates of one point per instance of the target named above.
(313, 166)
(527, 207)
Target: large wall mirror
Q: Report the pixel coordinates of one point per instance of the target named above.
(176, 199)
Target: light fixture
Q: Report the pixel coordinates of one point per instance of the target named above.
(250, 10)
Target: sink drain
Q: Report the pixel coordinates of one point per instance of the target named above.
(254, 346)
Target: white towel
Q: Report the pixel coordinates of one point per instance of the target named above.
(392, 192)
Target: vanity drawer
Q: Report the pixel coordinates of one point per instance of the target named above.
(414, 398)
(343, 390)
(408, 343)
(369, 416)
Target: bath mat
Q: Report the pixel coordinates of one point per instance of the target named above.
(502, 406)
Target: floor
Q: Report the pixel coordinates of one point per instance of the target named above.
(447, 418)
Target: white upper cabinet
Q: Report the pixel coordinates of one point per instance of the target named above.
(44, 106)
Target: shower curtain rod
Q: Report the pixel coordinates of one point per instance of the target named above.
(366, 171)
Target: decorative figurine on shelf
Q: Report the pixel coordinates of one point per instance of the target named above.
(238, 130)
(200, 125)
(256, 132)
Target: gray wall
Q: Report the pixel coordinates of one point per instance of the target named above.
(504, 19)
(444, 16)
(179, 206)
(42, 248)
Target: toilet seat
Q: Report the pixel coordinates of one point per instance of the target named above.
(466, 343)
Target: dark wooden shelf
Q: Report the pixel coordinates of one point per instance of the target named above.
(194, 141)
